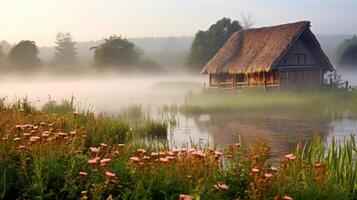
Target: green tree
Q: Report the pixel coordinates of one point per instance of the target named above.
(344, 45)
(2, 58)
(349, 56)
(116, 52)
(207, 43)
(65, 50)
(2, 54)
(24, 56)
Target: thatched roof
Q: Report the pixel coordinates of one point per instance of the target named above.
(260, 49)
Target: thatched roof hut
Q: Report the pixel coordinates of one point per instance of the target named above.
(268, 49)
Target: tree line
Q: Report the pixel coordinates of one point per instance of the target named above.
(120, 54)
(115, 53)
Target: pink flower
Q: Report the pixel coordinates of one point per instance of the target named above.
(109, 174)
(27, 134)
(274, 169)
(183, 149)
(141, 151)
(94, 149)
(34, 138)
(92, 161)
(134, 159)
(255, 170)
(191, 150)
(45, 134)
(198, 154)
(18, 126)
(175, 150)
(170, 153)
(268, 175)
(146, 157)
(83, 174)
(221, 186)
(288, 198)
(62, 134)
(164, 160)
(170, 158)
(218, 153)
(153, 154)
(104, 161)
(185, 197)
(290, 157)
(103, 145)
(21, 147)
(210, 149)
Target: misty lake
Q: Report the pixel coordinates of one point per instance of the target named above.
(112, 94)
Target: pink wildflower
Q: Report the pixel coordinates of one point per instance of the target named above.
(142, 151)
(288, 198)
(83, 174)
(94, 149)
(185, 197)
(153, 154)
(255, 170)
(109, 174)
(221, 186)
(268, 175)
(218, 153)
(92, 161)
(134, 159)
(104, 161)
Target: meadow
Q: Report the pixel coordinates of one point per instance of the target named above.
(60, 152)
(322, 103)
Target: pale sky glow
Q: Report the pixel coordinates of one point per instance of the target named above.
(40, 20)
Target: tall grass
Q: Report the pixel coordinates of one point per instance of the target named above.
(333, 103)
(83, 155)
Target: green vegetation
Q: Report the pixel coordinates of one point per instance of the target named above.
(65, 50)
(70, 155)
(24, 56)
(118, 53)
(326, 103)
(207, 43)
(349, 56)
(344, 48)
(2, 55)
(156, 129)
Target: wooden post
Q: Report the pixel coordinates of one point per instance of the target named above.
(346, 85)
(234, 81)
(210, 81)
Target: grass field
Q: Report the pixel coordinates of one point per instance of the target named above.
(331, 103)
(57, 153)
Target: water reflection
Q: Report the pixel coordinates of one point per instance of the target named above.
(281, 131)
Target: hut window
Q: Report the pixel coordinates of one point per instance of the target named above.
(302, 59)
(299, 59)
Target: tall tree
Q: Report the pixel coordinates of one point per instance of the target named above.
(349, 56)
(2, 58)
(206, 43)
(2, 54)
(344, 45)
(65, 50)
(24, 56)
(116, 52)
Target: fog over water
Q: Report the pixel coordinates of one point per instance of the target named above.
(112, 94)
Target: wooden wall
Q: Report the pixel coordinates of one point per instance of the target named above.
(300, 78)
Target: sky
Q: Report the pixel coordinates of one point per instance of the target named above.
(40, 20)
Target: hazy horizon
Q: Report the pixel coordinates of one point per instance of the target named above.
(91, 21)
